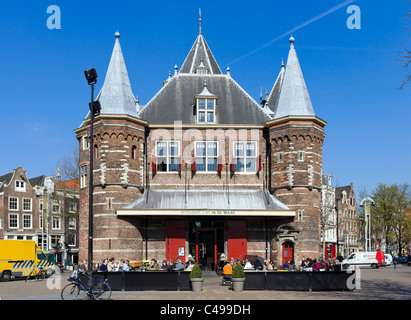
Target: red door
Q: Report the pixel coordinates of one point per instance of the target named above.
(176, 240)
(288, 251)
(237, 239)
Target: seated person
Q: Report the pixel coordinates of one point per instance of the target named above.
(178, 265)
(248, 265)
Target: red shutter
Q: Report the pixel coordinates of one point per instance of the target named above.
(193, 164)
(233, 165)
(180, 161)
(259, 163)
(220, 164)
(153, 163)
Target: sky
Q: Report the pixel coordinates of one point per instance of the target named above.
(352, 75)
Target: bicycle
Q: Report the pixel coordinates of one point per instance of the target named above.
(99, 289)
(38, 274)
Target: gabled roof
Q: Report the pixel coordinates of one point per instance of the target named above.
(72, 184)
(5, 179)
(37, 181)
(200, 54)
(175, 101)
(293, 99)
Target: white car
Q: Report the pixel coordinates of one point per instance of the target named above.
(388, 259)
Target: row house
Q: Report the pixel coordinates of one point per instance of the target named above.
(202, 169)
(346, 204)
(26, 205)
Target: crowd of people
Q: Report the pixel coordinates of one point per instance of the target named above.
(307, 264)
(112, 265)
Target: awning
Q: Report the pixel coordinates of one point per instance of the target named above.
(165, 202)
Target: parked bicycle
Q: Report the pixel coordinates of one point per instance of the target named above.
(99, 290)
(38, 273)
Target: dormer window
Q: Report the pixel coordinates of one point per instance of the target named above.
(202, 69)
(206, 104)
(206, 110)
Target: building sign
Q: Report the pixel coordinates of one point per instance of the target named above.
(206, 212)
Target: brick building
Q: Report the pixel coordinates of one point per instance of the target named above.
(348, 219)
(202, 168)
(23, 209)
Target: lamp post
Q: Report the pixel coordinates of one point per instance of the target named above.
(366, 204)
(336, 211)
(49, 184)
(91, 76)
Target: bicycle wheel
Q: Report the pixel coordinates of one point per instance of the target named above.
(101, 291)
(41, 276)
(70, 291)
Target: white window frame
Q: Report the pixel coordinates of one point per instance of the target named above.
(167, 156)
(17, 204)
(55, 204)
(206, 111)
(56, 223)
(207, 157)
(29, 220)
(245, 157)
(19, 186)
(83, 176)
(30, 201)
(17, 220)
(86, 142)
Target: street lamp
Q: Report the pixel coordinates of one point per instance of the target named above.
(91, 76)
(336, 210)
(366, 204)
(49, 184)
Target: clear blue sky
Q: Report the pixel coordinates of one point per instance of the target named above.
(351, 75)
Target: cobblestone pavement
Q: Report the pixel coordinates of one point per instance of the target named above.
(380, 284)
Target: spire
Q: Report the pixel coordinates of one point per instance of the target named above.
(293, 99)
(199, 20)
(272, 99)
(200, 50)
(116, 96)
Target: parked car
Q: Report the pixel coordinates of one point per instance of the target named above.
(409, 261)
(402, 259)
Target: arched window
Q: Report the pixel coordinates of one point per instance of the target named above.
(133, 152)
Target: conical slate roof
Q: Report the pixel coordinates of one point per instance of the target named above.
(116, 96)
(275, 91)
(200, 55)
(293, 99)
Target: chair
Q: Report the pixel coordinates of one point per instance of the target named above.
(227, 271)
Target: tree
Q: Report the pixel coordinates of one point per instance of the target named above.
(67, 193)
(389, 216)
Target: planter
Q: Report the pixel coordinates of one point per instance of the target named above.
(238, 284)
(197, 284)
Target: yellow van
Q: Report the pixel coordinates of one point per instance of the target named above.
(20, 258)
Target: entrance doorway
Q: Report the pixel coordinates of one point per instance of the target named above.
(288, 251)
(206, 248)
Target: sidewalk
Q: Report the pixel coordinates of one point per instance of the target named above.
(379, 284)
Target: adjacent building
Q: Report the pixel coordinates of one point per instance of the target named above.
(203, 169)
(34, 209)
(348, 221)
